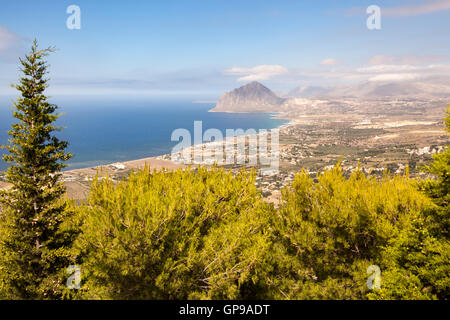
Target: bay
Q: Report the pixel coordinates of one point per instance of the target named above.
(102, 131)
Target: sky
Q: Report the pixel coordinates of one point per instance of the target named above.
(203, 48)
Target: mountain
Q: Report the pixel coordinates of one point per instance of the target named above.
(376, 89)
(253, 97)
(431, 88)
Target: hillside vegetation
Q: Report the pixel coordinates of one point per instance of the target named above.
(208, 234)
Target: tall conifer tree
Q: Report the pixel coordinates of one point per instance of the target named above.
(34, 244)
(439, 189)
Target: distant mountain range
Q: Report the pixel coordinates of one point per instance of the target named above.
(431, 88)
(255, 97)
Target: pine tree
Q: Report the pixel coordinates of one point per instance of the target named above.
(439, 189)
(34, 242)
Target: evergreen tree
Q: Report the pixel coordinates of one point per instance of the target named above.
(439, 189)
(34, 242)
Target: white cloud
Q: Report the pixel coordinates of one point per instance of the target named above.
(393, 72)
(426, 7)
(11, 44)
(383, 68)
(395, 77)
(388, 72)
(263, 72)
(7, 38)
(407, 59)
(413, 10)
(329, 62)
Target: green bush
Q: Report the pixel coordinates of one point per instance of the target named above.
(333, 230)
(419, 256)
(175, 235)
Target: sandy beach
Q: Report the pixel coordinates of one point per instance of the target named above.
(77, 181)
(153, 162)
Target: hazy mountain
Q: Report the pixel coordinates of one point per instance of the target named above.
(253, 97)
(431, 88)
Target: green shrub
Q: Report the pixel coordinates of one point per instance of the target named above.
(333, 230)
(175, 235)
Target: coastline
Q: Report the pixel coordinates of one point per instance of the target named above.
(153, 162)
(77, 181)
(158, 163)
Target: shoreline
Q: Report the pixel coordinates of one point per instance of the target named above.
(152, 162)
(77, 181)
(169, 164)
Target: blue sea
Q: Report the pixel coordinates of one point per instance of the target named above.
(101, 131)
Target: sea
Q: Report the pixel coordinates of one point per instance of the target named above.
(102, 131)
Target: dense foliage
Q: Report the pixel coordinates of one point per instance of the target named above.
(439, 189)
(34, 243)
(175, 235)
(333, 230)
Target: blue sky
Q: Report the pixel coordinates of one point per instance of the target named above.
(202, 48)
